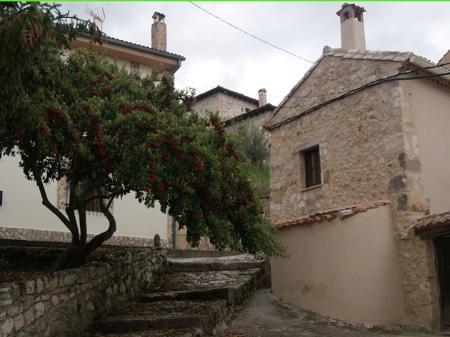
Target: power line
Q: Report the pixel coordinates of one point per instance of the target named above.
(250, 34)
(389, 78)
(399, 73)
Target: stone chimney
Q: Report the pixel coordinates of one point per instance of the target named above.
(262, 94)
(159, 32)
(352, 27)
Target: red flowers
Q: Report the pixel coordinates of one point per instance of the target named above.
(99, 148)
(127, 109)
(199, 166)
(55, 114)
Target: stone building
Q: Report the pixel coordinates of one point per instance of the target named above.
(359, 152)
(226, 102)
(445, 60)
(22, 215)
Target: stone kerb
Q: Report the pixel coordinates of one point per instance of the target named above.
(65, 303)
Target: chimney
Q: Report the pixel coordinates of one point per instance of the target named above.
(159, 32)
(352, 27)
(262, 94)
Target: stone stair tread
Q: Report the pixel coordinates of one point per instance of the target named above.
(206, 280)
(130, 323)
(171, 307)
(164, 314)
(154, 333)
(234, 262)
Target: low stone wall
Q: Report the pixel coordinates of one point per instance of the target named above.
(12, 233)
(63, 304)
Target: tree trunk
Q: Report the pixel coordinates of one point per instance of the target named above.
(78, 253)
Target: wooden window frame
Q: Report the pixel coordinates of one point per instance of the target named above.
(312, 166)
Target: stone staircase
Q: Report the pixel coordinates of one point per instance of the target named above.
(192, 296)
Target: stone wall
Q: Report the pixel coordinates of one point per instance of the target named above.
(226, 105)
(63, 304)
(10, 233)
(368, 151)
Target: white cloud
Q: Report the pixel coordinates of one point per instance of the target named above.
(216, 54)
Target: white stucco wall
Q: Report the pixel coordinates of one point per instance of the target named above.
(22, 208)
(430, 107)
(346, 269)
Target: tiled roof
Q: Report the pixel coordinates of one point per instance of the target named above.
(431, 222)
(330, 214)
(143, 48)
(359, 54)
(226, 92)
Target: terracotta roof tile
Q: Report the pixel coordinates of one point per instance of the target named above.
(431, 222)
(331, 214)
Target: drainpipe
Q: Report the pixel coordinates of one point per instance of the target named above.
(174, 233)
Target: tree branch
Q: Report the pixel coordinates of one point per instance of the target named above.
(73, 229)
(98, 240)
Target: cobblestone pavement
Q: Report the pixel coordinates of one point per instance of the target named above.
(266, 316)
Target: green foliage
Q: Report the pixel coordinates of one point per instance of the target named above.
(254, 144)
(256, 149)
(111, 133)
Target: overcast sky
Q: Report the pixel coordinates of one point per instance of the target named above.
(216, 54)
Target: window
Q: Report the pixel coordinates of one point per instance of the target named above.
(312, 167)
(92, 205)
(134, 67)
(63, 197)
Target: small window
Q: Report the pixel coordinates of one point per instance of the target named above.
(134, 67)
(312, 167)
(92, 205)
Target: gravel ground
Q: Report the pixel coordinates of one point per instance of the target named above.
(266, 316)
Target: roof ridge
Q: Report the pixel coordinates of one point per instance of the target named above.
(224, 90)
(142, 47)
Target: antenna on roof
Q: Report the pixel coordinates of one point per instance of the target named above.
(95, 16)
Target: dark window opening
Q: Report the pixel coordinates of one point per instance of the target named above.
(93, 205)
(312, 167)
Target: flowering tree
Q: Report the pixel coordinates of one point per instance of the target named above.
(111, 133)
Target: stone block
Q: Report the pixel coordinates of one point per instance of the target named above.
(29, 316)
(19, 322)
(15, 309)
(39, 285)
(39, 309)
(55, 300)
(7, 326)
(30, 287)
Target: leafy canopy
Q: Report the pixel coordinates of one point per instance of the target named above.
(112, 133)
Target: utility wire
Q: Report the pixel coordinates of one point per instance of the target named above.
(390, 78)
(250, 34)
(380, 79)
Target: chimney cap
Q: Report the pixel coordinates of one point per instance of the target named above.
(157, 16)
(347, 7)
(262, 90)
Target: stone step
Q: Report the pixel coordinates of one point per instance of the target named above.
(188, 253)
(235, 262)
(232, 285)
(155, 333)
(138, 317)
